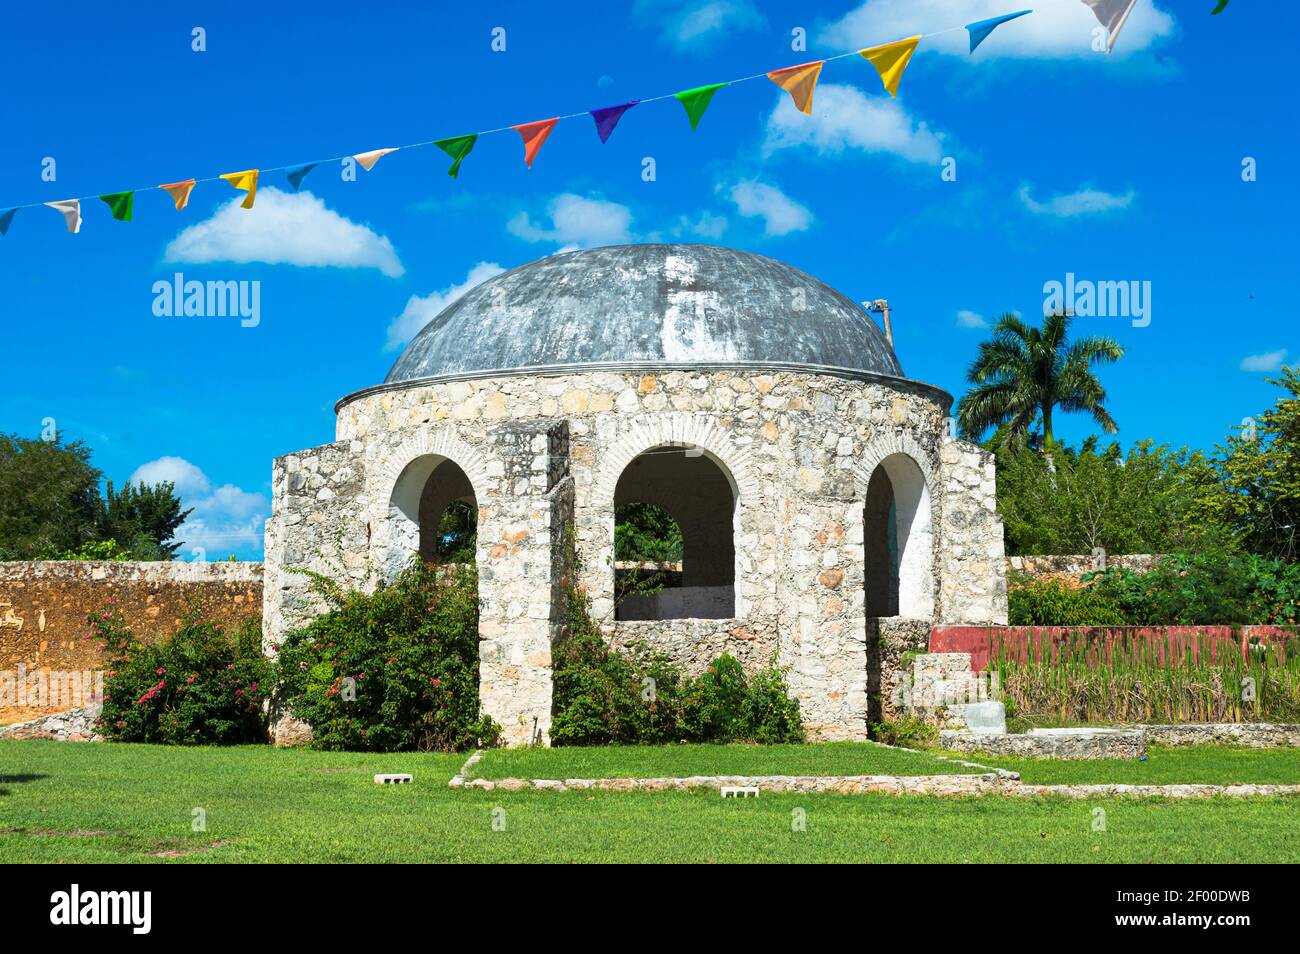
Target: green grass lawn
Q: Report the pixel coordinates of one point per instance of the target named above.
(133, 803)
(1165, 765)
(659, 761)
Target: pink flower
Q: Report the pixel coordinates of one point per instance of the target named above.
(160, 671)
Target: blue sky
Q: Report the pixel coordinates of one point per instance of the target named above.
(1121, 167)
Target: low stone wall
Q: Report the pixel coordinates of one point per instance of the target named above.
(1051, 743)
(43, 608)
(1069, 567)
(1254, 735)
(74, 725)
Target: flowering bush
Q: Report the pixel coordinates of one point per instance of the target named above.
(392, 670)
(199, 686)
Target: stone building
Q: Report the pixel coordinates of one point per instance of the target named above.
(828, 517)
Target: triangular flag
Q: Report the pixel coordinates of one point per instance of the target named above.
(121, 203)
(890, 59)
(458, 147)
(607, 118)
(534, 134)
(245, 181)
(799, 81)
(368, 159)
(180, 192)
(1112, 14)
(295, 174)
(697, 100)
(6, 216)
(980, 29)
(70, 209)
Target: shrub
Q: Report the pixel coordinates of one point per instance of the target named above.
(908, 731)
(199, 686)
(392, 670)
(638, 697)
(1053, 603)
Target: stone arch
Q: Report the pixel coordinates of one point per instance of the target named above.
(913, 508)
(687, 431)
(396, 481)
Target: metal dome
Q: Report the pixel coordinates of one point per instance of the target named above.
(652, 307)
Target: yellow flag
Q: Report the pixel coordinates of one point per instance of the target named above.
(890, 59)
(799, 81)
(247, 181)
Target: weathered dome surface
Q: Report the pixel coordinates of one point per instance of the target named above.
(647, 306)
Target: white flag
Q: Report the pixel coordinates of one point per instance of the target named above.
(1112, 14)
(70, 209)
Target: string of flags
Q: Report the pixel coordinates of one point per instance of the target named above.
(890, 60)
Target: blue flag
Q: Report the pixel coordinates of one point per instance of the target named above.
(295, 174)
(6, 216)
(980, 29)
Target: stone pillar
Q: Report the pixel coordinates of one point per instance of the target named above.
(318, 523)
(823, 623)
(523, 552)
(971, 552)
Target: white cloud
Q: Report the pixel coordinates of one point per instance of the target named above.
(187, 478)
(577, 222)
(971, 319)
(284, 228)
(1053, 31)
(705, 225)
(845, 118)
(420, 311)
(781, 215)
(224, 518)
(1085, 200)
(1266, 362)
(696, 24)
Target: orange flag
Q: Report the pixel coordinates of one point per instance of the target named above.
(799, 81)
(247, 181)
(890, 59)
(180, 192)
(534, 134)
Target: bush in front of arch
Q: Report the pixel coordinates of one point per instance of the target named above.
(393, 670)
(606, 696)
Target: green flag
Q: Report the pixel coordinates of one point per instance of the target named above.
(121, 204)
(697, 100)
(458, 147)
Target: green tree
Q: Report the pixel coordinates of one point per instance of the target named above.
(1260, 470)
(49, 494)
(643, 531)
(1152, 500)
(1023, 374)
(142, 518)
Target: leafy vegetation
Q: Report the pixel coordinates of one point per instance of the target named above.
(392, 670)
(644, 532)
(907, 731)
(603, 695)
(51, 507)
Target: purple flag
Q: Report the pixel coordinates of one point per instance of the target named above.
(607, 118)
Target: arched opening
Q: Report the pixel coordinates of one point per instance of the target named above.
(674, 502)
(897, 541)
(433, 512)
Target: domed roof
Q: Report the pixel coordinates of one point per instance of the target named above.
(647, 306)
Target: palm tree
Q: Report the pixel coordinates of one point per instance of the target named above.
(1024, 373)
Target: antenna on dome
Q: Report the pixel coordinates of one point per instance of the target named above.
(882, 306)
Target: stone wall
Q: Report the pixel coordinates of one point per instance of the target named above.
(1069, 567)
(798, 449)
(43, 608)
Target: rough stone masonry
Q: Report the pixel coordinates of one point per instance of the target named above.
(549, 386)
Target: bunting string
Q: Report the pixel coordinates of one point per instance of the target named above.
(889, 60)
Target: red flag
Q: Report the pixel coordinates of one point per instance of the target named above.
(534, 134)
